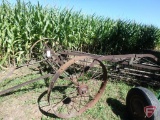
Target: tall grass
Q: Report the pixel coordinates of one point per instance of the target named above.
(23, 23)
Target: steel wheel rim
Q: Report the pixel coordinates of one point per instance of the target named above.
(82, 91)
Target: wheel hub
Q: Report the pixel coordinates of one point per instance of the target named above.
(82, 89)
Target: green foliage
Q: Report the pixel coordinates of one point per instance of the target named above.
(23, 23)
(158, 96)
(158, 41)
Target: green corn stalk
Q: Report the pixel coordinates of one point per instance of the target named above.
(23, 24)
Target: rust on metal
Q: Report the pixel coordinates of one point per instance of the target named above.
(81, 68)
(82, 89)
(23, 84)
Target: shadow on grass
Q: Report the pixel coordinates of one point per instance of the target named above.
(44, 94)
(118, 108)
(46, 113)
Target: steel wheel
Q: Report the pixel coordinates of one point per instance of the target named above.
(76, 86)
(47, 51)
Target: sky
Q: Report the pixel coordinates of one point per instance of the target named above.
(140, 11)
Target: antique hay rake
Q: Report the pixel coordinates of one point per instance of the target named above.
(79, 79)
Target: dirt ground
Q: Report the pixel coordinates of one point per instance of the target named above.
(23, 106)
(13, 73)
(19, 107)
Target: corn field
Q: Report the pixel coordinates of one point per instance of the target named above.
(23, 23)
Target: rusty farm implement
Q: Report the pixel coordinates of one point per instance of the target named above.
(78, 79)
